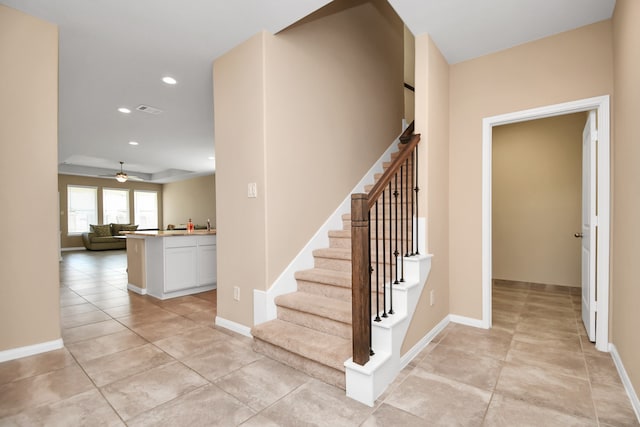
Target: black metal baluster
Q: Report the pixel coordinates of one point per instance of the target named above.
(406, 210)
(395, 249)
(384, 259)
(371, 352)
(392, 265)
(401, 225)
(417, 189)
(413, 166)
(377, 269)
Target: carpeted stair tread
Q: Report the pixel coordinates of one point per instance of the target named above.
(328, 277)
(318, 305)
(326, 349)
(345, 234)
(335, 253)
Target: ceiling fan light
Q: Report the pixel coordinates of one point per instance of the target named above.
(121, 177)
(169, 80)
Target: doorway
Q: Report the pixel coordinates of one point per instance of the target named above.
(601, 275)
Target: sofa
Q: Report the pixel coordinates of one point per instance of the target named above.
(102, 237)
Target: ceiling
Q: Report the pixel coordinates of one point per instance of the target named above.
(114, 53)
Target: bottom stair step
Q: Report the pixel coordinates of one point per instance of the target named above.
(316, 353)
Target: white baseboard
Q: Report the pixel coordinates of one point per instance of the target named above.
(420, 345)
(30, 350)
(79, 248)
(467, 321)
(626, 381)
(233, 326)
(136, 289)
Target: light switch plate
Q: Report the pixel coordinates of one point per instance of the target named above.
(252, 190)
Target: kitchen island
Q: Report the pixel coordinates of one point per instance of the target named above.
(168, 264)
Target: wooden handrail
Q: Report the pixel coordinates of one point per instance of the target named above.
(408, 133)
(384, 180)
(361, 205)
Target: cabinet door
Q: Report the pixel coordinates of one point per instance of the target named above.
(180, 268)
(207, 265)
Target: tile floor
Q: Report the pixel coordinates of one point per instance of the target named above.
(137, 361)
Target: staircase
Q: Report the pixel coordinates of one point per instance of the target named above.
(308, 323)
(312, 330)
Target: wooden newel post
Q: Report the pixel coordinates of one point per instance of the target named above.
(360, 275)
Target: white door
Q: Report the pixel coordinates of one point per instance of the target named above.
(589, 220)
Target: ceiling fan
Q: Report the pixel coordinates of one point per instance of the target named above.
(122, 176)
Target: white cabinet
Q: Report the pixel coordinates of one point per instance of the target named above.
(207, 267)
(178, 265)
(180, 268)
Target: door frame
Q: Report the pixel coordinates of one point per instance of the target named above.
(601, 105)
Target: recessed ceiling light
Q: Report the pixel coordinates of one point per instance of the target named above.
(133, 143)
(211, 158)
(124, 110)
(169, 80)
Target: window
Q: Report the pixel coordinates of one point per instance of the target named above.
(115, 206)
(82, 208)
(146, 209)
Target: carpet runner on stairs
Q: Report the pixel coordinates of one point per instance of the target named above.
(312, 331)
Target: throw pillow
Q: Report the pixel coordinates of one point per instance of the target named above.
(101, 230)
(116, 229)
(129, 227)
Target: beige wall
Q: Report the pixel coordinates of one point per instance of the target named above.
(536, 200)
(192, 198)
(75, 241)
(333, 105)
(432, 122)
(29, 290)
(294, 113)
(569, 66)
(239, 134)
(625, 292)
(409, 75)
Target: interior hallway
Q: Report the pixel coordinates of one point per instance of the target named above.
(134, 360)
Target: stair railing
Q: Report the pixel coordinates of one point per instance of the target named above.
(382, 235)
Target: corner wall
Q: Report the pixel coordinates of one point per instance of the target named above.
(625, 292)
(304, 114)
(238, 100)
(29, 290)
(432, 122)
(569, 66)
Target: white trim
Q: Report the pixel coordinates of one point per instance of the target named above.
(467, 321)
(264, 307)
(136, 289)
(233, 326)
(367, 382)
(601, 104)
(420, 345)
(80, 248)
(30, 350)
(626, 381)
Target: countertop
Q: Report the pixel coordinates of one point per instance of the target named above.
(170, 233)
